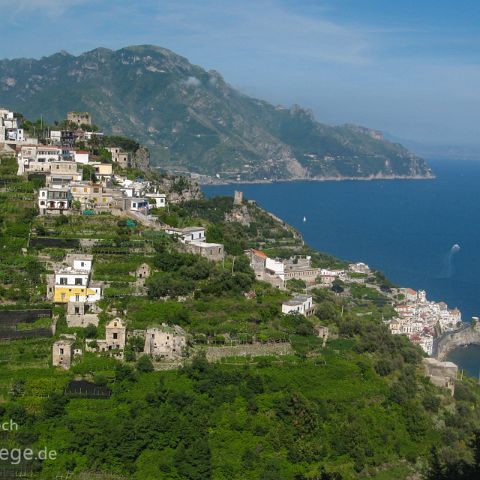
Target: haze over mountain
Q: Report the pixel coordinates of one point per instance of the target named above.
(193, 120)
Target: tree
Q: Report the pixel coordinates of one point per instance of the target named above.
(55, 405)
(88, 173)
(144, 364)
(18, 388)
(431, 403)
(124, 373)
(296, 285)
(167, 284)
(384, 367)
(90, 331)
(338, 286)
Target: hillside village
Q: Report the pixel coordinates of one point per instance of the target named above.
(107, 261)
(81, 179)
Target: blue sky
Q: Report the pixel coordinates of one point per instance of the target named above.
(408, 67)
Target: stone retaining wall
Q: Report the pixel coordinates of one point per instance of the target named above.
(214, 354)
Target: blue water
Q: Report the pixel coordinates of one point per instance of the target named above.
(405, 228)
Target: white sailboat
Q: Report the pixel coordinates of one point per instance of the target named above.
(304, 219)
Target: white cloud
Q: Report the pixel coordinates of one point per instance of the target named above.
(267, 28)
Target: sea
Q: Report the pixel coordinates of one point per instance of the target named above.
(424, 234)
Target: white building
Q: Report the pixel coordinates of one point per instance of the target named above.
(406, 310)
(188, 234)
(327, 277)
(11, 132)
(56, 137)
(160, 199)
(136, 204)
(54, 200)
(275, 267)
(81, 156)
(301, 305)
(46, 154)
(359, 268)
(80, 262)
(90, 135)
(71, 282)
(37, 158)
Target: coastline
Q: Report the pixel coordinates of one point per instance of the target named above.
(428, 342)
(214, 181)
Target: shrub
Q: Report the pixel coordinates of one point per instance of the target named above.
(144, 364)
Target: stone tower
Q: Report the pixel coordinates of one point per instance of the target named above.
(62, 353)
(238, 198)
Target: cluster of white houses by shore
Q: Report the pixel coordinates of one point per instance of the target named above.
(422, 320)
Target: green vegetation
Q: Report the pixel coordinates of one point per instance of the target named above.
(20, 273)
(290, 418)
(357, 408)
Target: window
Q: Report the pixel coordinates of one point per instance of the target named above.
(78, 281)
(115, 336)
(63, 281)
(61, 351)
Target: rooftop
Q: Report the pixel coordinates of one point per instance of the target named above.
(298, 300)
(79, 256)
(258, 253)
(164, 328)
(71, 271)
(199, 243)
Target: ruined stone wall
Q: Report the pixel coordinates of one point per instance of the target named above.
(214, 354)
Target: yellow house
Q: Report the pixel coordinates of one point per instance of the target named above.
(65, 294)
(72, 283)
(102, 169)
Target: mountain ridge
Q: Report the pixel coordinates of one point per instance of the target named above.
(193, 120)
